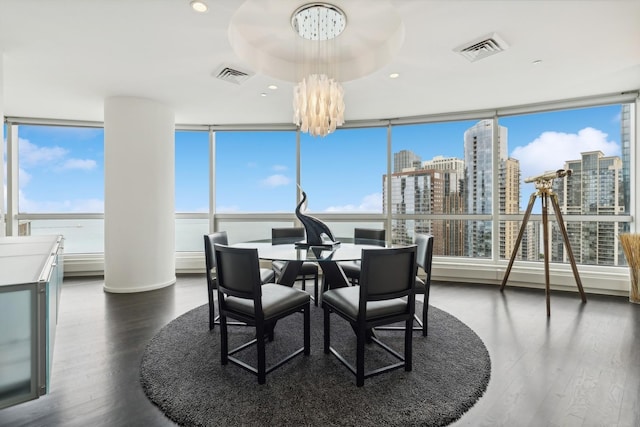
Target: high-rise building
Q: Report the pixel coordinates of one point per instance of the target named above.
(478, 195)
(625, 145)
(428, 191)
(509, 186)
(446, 163)
(405, 159)
(594, 188)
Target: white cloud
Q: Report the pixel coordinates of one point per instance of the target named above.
(78, 205)
(275, 181)
(280, 168)
(33, 155)
(23, 178)
(550, 150)
(83, 164)
(369, 203)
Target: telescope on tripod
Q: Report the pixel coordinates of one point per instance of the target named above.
(560, 173)
(544, 184)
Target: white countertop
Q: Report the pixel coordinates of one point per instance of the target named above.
(23, 258)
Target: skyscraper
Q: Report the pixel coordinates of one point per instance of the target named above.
(430, 191)
(404, 159)
(478, 160)
(594, 188)
(509, 187)
(625, 143)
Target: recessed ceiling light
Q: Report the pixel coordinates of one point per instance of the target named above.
(394, 75)
(272, 87)
(537, 61)
(199, 6)
(263, 94)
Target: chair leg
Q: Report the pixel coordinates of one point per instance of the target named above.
(360, 357)
(212, 316)
(315, 290)
(224, 341)
(212, 311)
(307, 329)
(327, 335)
(408, 345)
(425, 311)
(262, 365)
(304, 283)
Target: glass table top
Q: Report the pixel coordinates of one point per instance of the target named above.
(289, 252)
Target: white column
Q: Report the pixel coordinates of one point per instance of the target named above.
(139, 205)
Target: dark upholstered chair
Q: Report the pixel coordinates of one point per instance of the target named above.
(220, 237)
(362, 236)
(243, 297)
(424, 244)
(308, 269)
(385, 295)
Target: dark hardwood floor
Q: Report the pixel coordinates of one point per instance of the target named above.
(581, 367)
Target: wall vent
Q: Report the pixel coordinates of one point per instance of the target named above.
(482, 47)
(232, 74)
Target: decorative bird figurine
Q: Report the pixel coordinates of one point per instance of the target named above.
(313, 226)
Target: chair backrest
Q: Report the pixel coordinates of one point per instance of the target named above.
(238, 271)
(424, 242)
(369, 236)
(387, 273)
(209, 257)
(280, 236)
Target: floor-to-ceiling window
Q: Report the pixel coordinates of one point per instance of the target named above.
(61, 184)
(595, 199)
(342, 173)
(461, 180)
(255, 172)
(442, 184)
(192, 189)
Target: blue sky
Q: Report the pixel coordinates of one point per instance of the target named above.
(61, 169)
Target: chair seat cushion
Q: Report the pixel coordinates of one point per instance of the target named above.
(267, 275)
(351, 268)
(306, 269)
(347, 300)
(309, 269)
(276, 299)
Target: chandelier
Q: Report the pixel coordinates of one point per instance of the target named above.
(318, 100)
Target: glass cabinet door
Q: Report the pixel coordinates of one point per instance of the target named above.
(17, 345)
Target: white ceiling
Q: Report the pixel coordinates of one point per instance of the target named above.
(62, 58)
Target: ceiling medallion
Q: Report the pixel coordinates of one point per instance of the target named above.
(318, 21)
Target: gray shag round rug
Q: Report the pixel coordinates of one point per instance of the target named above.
(181, 373)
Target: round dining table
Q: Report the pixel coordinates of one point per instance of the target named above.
(326, 256)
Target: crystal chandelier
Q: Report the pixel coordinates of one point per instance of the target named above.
(318, 100)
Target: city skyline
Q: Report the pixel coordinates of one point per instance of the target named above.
(61, 168)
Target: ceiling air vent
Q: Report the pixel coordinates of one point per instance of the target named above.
(482, 47)
(232, 75)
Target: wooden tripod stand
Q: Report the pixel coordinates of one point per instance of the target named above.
(544, 191)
